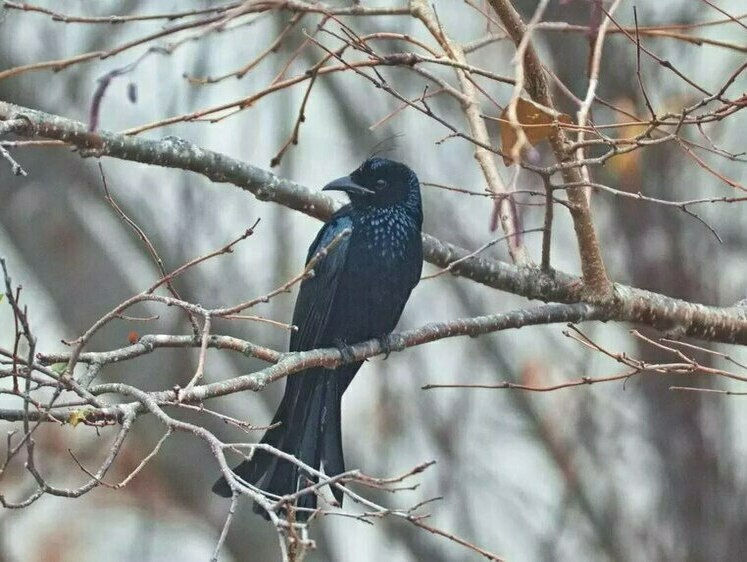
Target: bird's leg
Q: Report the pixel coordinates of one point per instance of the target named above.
(345, 351)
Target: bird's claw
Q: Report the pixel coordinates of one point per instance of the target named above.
(388, 344)
(346, 352)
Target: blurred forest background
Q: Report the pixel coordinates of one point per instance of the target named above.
(618, 472)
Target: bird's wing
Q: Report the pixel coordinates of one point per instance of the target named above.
(317, 293)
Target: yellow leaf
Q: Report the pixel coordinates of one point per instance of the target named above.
(77, 416)
(627, 167)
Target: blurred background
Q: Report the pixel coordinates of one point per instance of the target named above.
(623, 472)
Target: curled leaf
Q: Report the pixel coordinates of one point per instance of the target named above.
(59, 368)
(537, 121)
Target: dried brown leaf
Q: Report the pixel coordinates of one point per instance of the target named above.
(537, 121)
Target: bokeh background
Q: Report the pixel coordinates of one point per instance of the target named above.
(609, 472)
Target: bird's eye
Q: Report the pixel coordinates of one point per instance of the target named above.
(380, 184)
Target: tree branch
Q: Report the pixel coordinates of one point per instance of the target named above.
(285, 364)
(471, 107)
(596, 281)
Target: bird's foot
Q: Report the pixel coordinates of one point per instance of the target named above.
(389, 343)
(346, 351)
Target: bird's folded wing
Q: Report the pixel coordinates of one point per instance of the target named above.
(317, 294)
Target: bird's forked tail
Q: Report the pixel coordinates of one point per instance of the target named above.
(307, 426)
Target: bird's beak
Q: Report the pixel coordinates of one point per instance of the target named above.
(347, 185)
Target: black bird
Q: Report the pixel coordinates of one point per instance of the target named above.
(357, 293)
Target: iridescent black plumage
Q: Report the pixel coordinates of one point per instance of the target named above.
(357, 293)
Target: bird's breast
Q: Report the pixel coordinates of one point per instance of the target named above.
(388, 237)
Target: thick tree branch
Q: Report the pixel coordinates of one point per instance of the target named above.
(682, 318)
(289, 363)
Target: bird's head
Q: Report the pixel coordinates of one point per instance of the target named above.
(379, 182)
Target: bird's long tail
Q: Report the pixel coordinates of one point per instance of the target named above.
(308, 427)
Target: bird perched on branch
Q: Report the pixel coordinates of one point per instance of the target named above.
(357, 293)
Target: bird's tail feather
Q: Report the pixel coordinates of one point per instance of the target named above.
(331, 438)
(309, 429)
